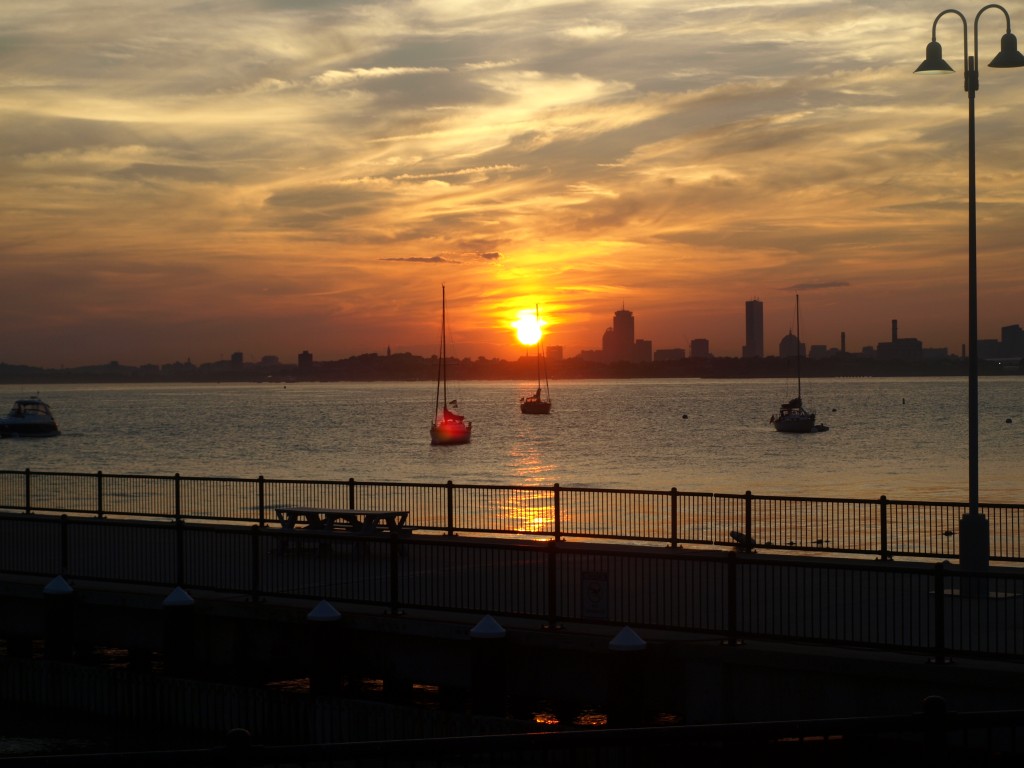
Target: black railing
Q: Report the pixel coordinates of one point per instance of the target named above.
(881, 527)
(934, 610)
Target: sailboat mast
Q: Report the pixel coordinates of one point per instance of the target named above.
(537, 310)
(798, 392)
(444, 348)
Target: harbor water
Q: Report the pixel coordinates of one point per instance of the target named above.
(905, 438)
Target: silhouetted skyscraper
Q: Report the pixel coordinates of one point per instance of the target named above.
(618, 343)
(755, 329)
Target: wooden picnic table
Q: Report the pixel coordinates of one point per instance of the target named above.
(348, 520)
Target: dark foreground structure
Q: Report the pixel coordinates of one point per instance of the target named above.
(613, 649)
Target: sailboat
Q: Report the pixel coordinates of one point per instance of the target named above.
(792, 417)
(448, 427)
(535, 403)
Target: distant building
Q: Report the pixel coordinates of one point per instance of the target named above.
(899, 349)
(270, 360)
(643, 351)
(305, 360)
(791, 346)
(618, 343)
(555, 353)
(755, 329)
(1013, 340)
(700, 348)
(669, 355)
(237, 358)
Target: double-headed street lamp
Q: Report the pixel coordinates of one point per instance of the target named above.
(974, 547)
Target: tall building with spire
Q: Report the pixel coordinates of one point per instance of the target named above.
(755, 329)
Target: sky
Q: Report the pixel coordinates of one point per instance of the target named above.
(184, 180)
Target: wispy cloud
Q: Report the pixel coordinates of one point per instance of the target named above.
(270, 169)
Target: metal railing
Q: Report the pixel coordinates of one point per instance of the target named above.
(881, 527)
(937, 610)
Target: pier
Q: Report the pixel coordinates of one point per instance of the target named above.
(726, 632)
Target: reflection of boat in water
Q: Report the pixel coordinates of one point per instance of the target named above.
(792, 417)
(535, 403)
(29, 417)
(448, 427)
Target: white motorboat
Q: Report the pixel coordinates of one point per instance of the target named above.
(29, 417)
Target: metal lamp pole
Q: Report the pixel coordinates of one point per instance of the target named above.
(974, 539)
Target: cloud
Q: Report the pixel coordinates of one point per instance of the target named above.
(814, 286)
(659, 151)
(422, 259)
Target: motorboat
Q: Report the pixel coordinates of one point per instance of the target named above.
(29, 417)
(448, 427)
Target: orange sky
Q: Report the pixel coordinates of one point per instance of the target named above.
(191, 180)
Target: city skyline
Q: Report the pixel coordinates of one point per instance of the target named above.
(185, 182)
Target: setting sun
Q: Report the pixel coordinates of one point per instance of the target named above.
(529, 327)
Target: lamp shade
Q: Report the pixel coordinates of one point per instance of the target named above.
(1008, 55)
(933, 62)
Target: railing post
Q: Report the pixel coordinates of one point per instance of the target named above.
(675, 517)
(179, 549)
(883, 515)
(552, 585)
(177, 498)
(558, 511)
(394, 551)
(351, 493)
(748, 523)
(28, 491)
(731, 589)
(939, 609)
(262, 500)
(254, 590)
(99, 494)
(64, 545)
(451, 509)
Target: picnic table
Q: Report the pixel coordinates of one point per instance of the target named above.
(356, 521)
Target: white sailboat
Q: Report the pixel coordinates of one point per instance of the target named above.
(448, 427)
(792, 417)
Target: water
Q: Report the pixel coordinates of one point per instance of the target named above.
(905, 438)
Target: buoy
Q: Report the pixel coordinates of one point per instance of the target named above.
(1009, 421)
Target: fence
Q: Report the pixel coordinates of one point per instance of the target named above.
(921, 608)
(882, 527)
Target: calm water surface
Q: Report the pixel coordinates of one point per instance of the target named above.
(906, 438)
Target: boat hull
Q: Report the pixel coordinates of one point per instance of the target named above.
(450, 433)
(535, 406)
(30, 417)
(797, 425)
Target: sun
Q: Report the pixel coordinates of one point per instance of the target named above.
(529, 327)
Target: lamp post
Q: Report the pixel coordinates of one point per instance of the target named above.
(974, 541)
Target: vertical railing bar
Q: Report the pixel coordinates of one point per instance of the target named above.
(558, 511)
(939, 609)
(883, 515)
(261, 493)
(450, 493)
(254, 551)
(64, 556)
(28, 491)
(177, 497)
(99, 494)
